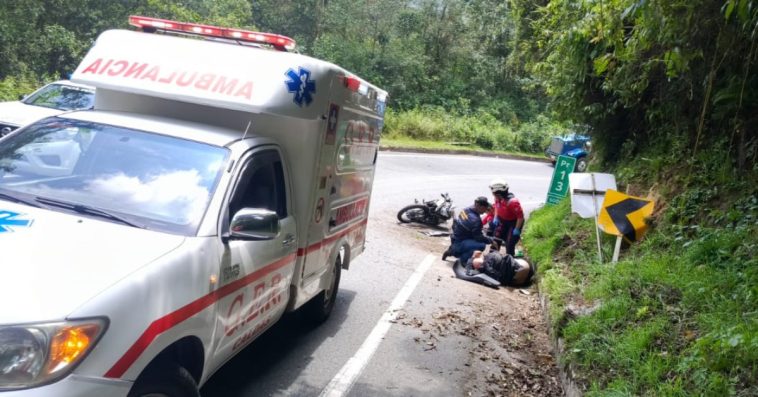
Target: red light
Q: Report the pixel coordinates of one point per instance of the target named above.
(278, 41)
(281, 43)
(204, 30)
(234, 33)
(352, 83)
(143, 22)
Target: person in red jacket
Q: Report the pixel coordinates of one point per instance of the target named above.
(507, 217)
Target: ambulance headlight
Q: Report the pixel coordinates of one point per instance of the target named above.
(36, 354)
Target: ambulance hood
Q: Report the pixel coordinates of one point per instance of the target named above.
(51, 263)
(17, 113)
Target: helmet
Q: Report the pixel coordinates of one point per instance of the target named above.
(498, 185)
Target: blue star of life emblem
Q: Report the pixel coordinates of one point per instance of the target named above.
(9, 220)
(301, 85)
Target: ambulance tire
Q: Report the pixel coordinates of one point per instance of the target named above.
(168, 380)
(320, 307)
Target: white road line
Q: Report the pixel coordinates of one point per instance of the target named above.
(466, 176)
(341, 384)
(468, 156)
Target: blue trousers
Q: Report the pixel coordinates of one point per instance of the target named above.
(465, 248)
(510, 239)
(504, 231)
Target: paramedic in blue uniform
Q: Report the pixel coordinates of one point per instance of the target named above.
(467, 234)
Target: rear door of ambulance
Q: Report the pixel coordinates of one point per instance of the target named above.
(345, 175)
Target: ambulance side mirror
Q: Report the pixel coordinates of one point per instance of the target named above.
(254, 224)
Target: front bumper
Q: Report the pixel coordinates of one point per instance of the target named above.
(76, 386)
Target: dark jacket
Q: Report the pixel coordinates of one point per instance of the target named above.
(468, 226)
(500, 267)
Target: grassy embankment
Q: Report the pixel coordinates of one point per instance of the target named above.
(437, 129)
(678, 315)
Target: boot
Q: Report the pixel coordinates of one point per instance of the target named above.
(448, 252)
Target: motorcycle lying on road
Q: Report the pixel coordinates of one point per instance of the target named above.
(428, 212)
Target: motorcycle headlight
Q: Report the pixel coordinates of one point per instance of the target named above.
(36, 354)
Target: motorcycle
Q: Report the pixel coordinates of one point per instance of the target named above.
(428, 212)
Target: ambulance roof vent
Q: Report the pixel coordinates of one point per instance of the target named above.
(279, 42)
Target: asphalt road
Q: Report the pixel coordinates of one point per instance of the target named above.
(294, 359)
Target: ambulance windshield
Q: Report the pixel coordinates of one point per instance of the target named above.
(161, 182)
(62, 97)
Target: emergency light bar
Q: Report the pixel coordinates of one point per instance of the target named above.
(279, 42)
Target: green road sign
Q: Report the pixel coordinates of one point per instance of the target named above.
(559, 185)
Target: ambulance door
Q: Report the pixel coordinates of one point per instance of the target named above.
(255, 274)
(346, 171)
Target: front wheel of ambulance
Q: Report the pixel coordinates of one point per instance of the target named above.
(320, 307)
(166, 381)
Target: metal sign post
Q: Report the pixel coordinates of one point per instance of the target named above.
(587, 194)
(597, 227)
(617, 250)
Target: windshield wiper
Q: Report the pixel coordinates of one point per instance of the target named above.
(19, 200)
(85, 209)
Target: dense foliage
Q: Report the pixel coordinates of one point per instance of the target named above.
(432, 56)
(44, 39)
(478, 129)
(668, 90)
(449, 53)
(672, 76)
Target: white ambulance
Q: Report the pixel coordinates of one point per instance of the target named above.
(217, 184)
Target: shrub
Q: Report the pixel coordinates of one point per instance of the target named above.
(12, 87)
(480, 128)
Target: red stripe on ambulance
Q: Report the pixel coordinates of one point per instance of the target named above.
(317, 246)
(211, 82)
(170, 320)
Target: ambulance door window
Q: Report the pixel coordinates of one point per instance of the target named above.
(262, 185)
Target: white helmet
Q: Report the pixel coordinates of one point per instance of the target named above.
(498, 185)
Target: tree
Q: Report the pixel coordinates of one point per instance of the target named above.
(668, 75)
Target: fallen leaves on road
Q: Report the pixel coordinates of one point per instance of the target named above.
(512, 352)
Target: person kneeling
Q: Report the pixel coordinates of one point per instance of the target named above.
(467, 235)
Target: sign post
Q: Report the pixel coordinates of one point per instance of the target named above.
(587, 193)
(617, 249)
(559, 185)
(594, 208)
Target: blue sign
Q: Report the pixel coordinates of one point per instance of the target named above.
(9, 220)
(300, 84)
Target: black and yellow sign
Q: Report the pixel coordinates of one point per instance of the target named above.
(623, 215)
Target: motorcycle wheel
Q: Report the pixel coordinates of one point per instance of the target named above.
(412, 213)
